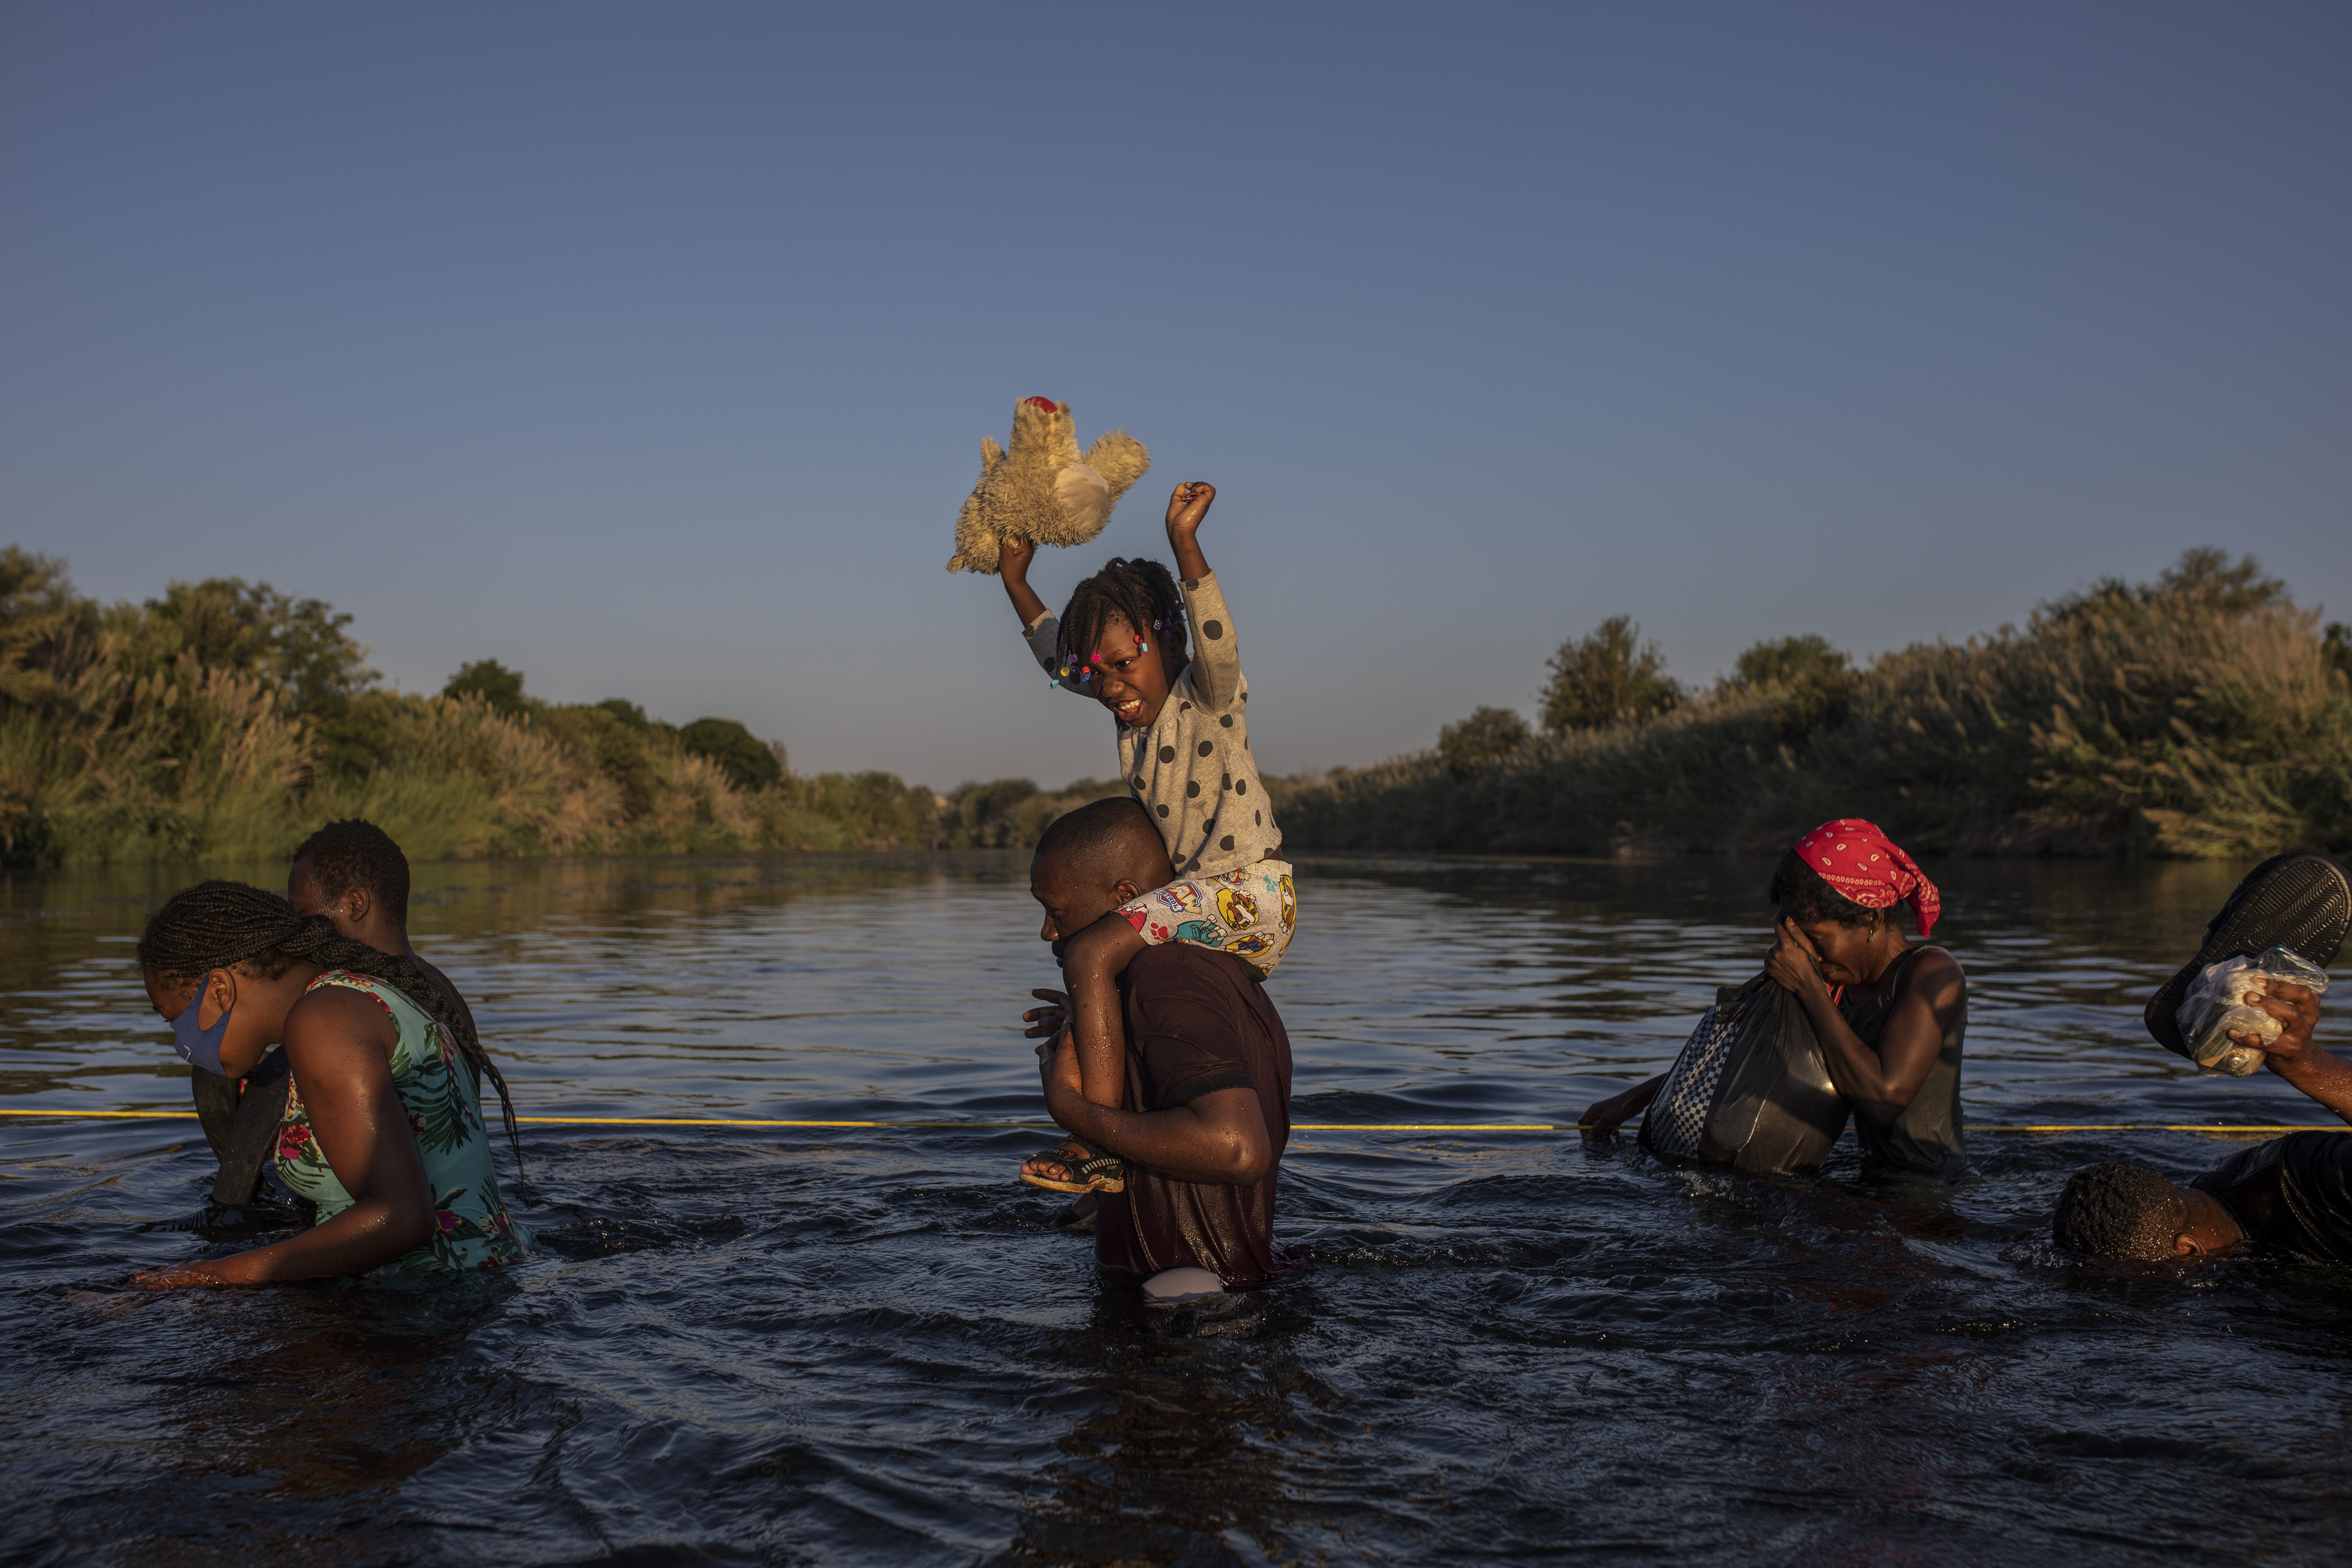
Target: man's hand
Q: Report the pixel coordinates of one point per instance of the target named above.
(1187, 507)
(1794, 965)
(1013, 554)
(1046, 1022)
(2295, 1007)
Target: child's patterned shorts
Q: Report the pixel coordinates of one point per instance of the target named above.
(1249, 912)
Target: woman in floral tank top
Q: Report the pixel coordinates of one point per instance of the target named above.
(471, 1227)
(383, 1127)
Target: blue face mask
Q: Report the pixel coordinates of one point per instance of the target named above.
(201, 1046)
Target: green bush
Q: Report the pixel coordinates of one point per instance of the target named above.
(1489, 737)
(1012, 813)
(1609, 677)
(744, 757)
(491, 681)
(1809, 683)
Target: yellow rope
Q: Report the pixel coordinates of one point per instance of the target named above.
(1296, 1126)
(741, 1122)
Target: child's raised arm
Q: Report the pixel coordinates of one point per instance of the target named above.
(1013, 557)
(1216, 667)
(1037, 623)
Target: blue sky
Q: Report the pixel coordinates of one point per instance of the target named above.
(649, 349)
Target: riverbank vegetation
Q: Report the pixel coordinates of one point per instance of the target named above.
(2202, 715)
(226, 720)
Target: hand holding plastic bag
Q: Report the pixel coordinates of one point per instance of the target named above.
(2219, 1000)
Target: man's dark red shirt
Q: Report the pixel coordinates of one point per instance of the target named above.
(1198, 1021)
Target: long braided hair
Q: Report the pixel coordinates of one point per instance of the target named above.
(219, 924)
(1141, 594)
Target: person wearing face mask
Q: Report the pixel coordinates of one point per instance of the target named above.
(381, 1129)
(1889, 1013)
(353, 873)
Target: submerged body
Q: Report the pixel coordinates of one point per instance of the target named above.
(471, 1227)
(1888, 1015)
(1924, 1138)
(1197, 1023)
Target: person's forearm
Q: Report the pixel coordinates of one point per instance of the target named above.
(1190, 564)
(367, 1234)
(1025, 601)
(2323, 1076)
(1854, 1067)
(1622, 1108)
(1180, 1143)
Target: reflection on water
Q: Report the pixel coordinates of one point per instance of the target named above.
(779, 1345)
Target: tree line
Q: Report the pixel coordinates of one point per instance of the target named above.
(2204, 714)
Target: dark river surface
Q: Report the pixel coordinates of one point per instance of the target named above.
(770, 1346)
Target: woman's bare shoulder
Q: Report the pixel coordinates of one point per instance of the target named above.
(1933, 974)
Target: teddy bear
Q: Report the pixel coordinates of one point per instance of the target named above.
(1042, 488)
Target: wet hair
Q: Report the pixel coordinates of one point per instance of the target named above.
(1800, 894)
(353, 853)
(2118, 1211)
(230, 925)
(1140, 593)
(1105, 840)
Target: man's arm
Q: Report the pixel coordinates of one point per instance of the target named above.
(1219, 1139)
(2319, 1072)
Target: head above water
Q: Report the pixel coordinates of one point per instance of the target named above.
(1855, 944)
(2129, 1212)
(1092, 860)
(1122, 638)
(221, 943)
(353, 872)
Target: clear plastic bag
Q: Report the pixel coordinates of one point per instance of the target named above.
(2220, 999)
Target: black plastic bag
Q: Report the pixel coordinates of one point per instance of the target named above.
(1750, 1088)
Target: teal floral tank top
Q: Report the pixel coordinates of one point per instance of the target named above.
(472, 1230)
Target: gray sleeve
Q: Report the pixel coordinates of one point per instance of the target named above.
(1216, 668)
(1042, 638)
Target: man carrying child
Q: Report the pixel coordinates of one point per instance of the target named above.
(1204, 1112)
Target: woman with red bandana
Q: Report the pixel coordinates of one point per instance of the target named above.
(1890, 1013)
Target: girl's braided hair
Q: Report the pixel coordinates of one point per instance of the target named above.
(1141, 594)
(223, 925)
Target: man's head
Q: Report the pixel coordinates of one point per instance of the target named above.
(1091, 861)
(353, 872)
(2130, 1212)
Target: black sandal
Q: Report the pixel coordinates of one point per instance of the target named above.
(1096, 1172)
(2302, 903)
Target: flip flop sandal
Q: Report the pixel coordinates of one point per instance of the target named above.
(2302, 903)
(1095, 1173)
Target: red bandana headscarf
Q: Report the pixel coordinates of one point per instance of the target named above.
(1863, 864)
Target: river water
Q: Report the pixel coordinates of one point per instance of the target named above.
(770, 1345)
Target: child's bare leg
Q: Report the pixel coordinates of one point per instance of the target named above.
(1092, 963)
